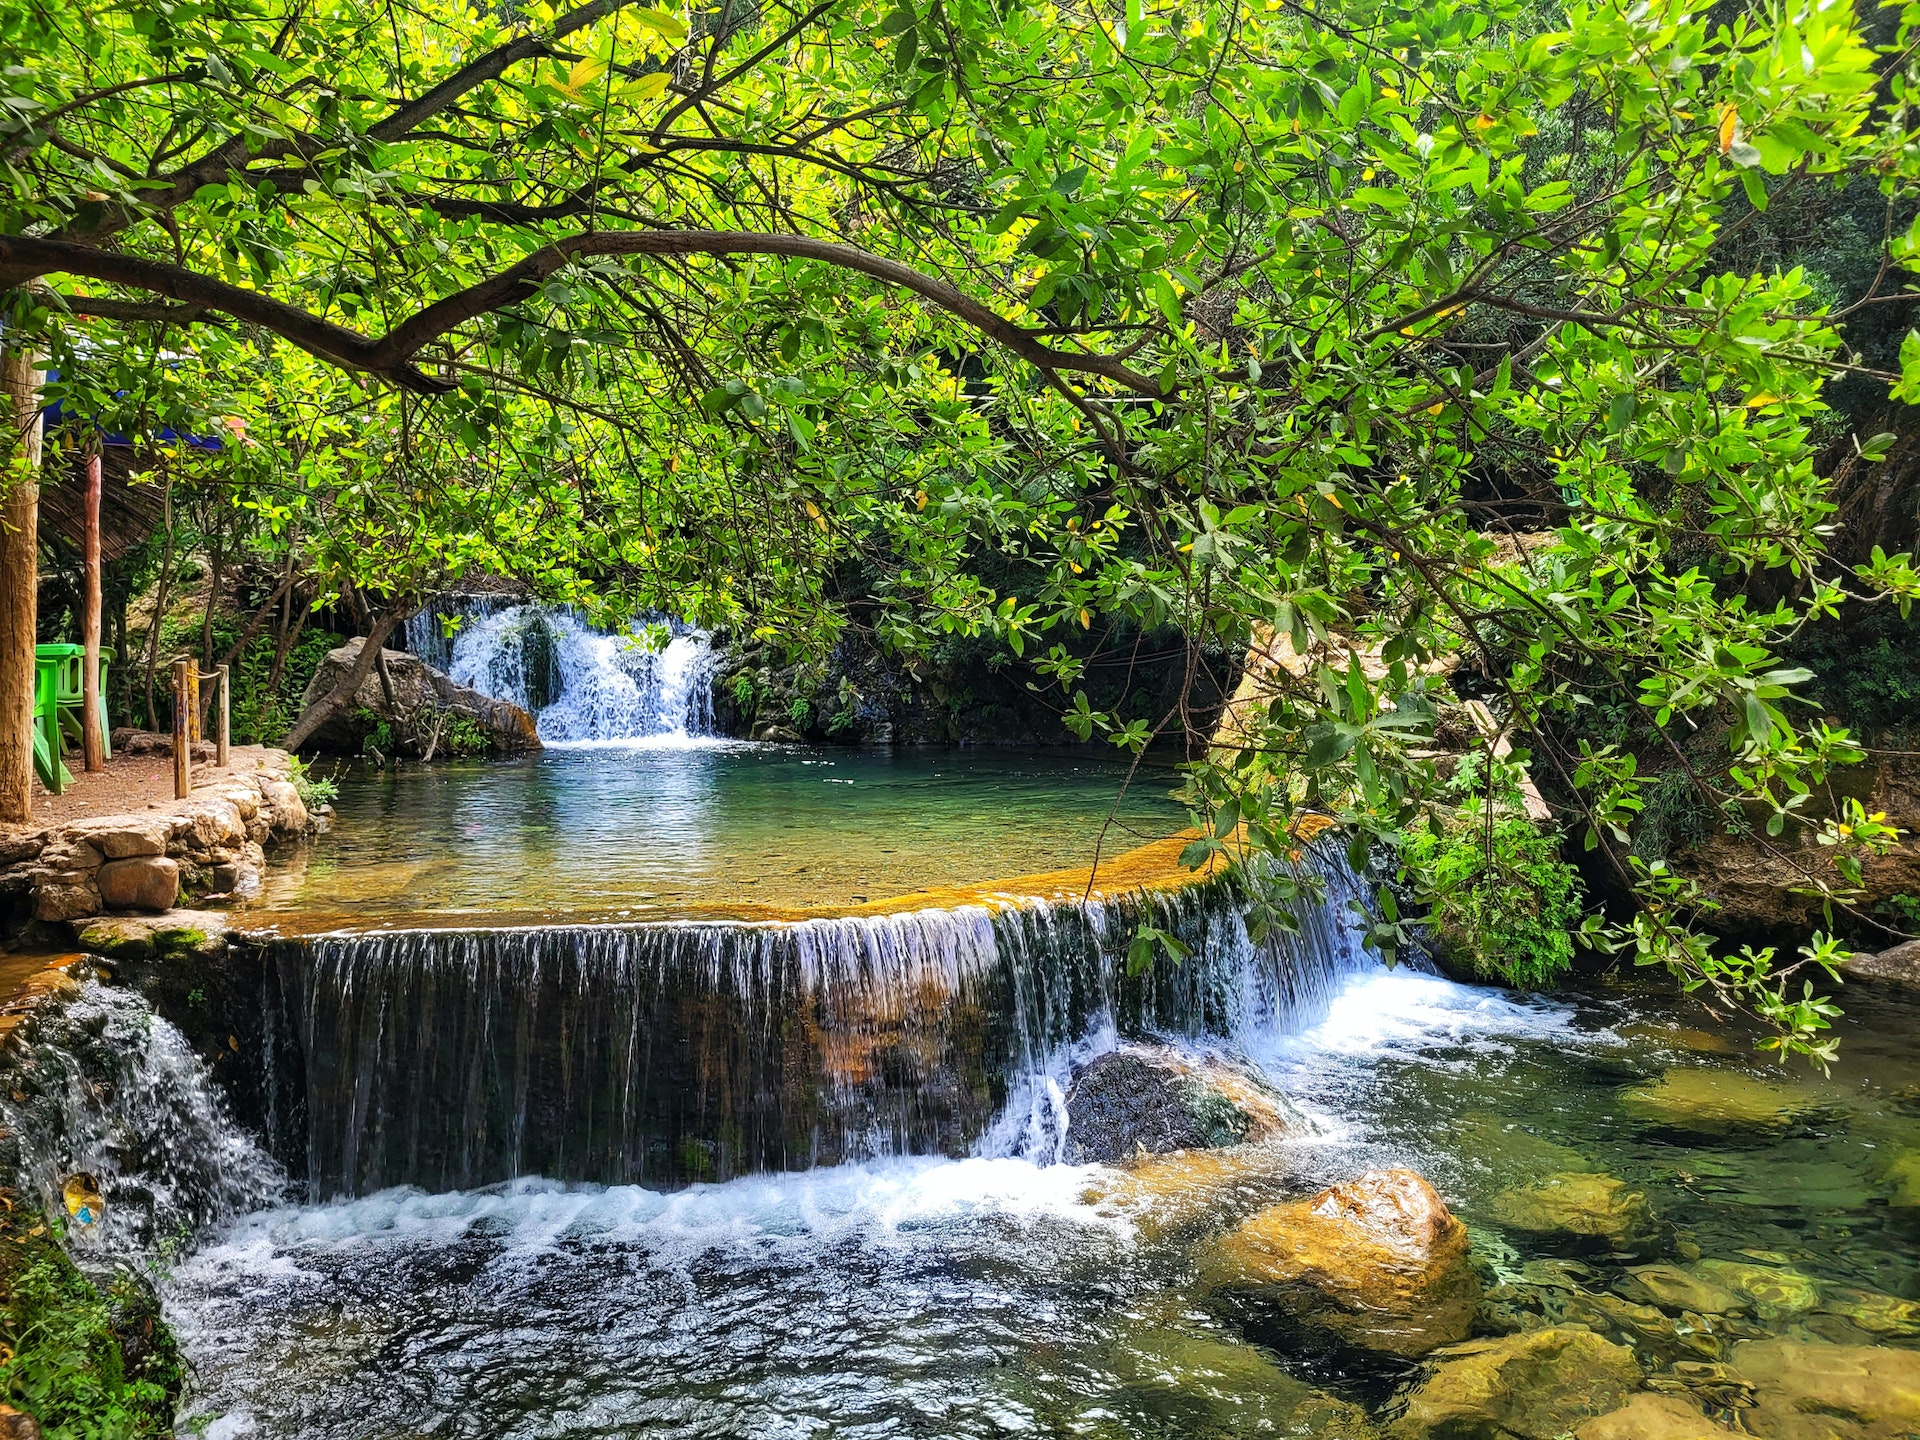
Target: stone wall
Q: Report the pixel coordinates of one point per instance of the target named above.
(212, 843)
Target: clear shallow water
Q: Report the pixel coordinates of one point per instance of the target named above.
(993, 1296)
(690, 827)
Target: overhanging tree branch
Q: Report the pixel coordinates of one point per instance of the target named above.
(24, 258)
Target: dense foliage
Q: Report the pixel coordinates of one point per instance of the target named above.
(1502, 903)
(88, 1365)
(1261, 320)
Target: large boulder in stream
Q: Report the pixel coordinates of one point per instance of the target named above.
(424, 701)
(1377, 1262)
(1534, 1386)
(1154, 1100)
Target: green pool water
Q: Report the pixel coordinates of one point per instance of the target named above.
(692, 828)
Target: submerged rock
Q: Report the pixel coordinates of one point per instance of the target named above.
(1164, 1193)
(1902, 1179)
(1830, 1392)
(1174, 1377)
(1597, 1207)
(1767, 1291)
(1378, 1262)
(1700, 1101)
(1678, 1290)
(1654, 1417)
(1533, 1386)
(1152, 1098)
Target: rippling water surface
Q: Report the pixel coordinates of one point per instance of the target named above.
(691, 826)
(982, 1297)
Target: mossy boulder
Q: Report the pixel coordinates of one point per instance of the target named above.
(1655, 1417)
(1153, 1099)
(1378, 1263)
(1830, 1392)
(175, 934)
(1584, 1206)
(1700, 1101)
(1533, 1386)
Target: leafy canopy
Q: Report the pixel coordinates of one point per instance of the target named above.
(1271, 320)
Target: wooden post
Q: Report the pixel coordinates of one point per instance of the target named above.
(226, 679)
(19, 578)
(92, 742)
(182, 735)
(193, 701)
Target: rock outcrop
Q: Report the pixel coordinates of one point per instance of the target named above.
(1830, 1392)
(1378, 1262)
(1533, 1386)
(1898, 966)
(423, 702)
(1153, 1099)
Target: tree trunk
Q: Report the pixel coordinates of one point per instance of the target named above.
(93, 745)
(160, 599)
(19, 582)
(323, 709)
(289, 637)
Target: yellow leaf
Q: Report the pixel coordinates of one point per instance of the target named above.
(647, 87)
(1086, 620)
(584, 74)
(669, 27)
(919, 499)
(1436, 409)
(1484, 123)
(1765, 397)
(1729, 117)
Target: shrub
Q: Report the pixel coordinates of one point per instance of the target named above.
(466, 738)
(314, 791)
(87, 1365)
(1503, 912)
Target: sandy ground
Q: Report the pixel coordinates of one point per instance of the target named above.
(129, 785)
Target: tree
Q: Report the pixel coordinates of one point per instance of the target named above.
(1262, 321)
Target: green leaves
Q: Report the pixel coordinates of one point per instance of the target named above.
(1146, 939)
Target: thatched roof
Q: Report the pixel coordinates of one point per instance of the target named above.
(130, 510)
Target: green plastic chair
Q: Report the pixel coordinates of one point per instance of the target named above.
(59, 694)
(47, 763)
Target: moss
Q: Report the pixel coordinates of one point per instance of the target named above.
(88, 1362)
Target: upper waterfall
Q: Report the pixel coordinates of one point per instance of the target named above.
(580, 684)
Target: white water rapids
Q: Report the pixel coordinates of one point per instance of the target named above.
(582, 686)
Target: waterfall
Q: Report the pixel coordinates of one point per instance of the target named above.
(660, 1054)
(580, 685)
(105, 1086)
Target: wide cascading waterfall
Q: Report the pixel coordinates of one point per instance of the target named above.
(667, 1053)
(580, 685)
(427, 633)
(103, 1085)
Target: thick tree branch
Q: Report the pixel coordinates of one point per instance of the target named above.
(23, 258)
